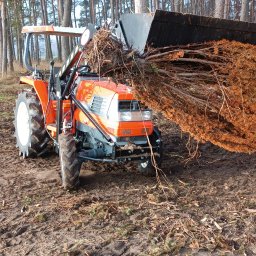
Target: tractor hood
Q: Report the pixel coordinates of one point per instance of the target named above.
(164, 28)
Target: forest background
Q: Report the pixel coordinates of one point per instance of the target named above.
(78, 13)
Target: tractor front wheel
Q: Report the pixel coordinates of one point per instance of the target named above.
(70, 166)
(147, 168)
(31, 135)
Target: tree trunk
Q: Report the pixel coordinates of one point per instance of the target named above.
(120, 8)
(244, 10)
(98, 21)
(34, 18)
(49, 46)
(9, 42)
(1, 38)
(32, 48)
(55, 24)
(74, 13)
(47, 38)
(18, 20)
(140, 6)
(177, 5)
(60, 17)
(112, 11)
(237, 9)
(156, 5)
(66, 23)
(252, 11)
(104, 11)
(219, 8)
(92, 12)
(4, 38)
(117, 9)
(192, 6)
(226, 9)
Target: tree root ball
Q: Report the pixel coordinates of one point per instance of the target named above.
(208, 89)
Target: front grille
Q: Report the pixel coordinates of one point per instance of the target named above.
(98, 105)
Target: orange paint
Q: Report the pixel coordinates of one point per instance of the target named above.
(85, 92)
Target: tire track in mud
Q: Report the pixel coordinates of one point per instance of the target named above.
(209, 206)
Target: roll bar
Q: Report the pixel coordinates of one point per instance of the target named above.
(51, 30)
(26, 53)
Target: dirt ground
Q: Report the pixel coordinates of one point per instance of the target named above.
(206, 207)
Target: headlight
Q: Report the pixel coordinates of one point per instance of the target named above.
(125, 116)
(135, 116)
(147, 115)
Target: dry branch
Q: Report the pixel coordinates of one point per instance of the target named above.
(209, 89)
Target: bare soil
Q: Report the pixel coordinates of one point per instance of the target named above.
(207, 207)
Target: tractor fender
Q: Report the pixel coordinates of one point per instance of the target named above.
(41, 89)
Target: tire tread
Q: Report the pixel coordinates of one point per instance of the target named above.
(70, 166)
(39, 137)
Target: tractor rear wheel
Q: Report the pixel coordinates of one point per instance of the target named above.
(70, 166)
(31, 135)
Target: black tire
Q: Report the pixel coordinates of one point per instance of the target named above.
(70, 166)
(146, 167)
(29, 118)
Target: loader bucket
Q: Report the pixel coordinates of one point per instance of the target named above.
(169, 28)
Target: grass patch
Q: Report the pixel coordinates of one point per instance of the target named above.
(27, 200)
(6, 115)
(4, 97)
(40, 217)
(125, 230)
(9, 80)
(102, 210)
(128, 211)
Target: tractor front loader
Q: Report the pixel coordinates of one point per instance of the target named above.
(87, 117)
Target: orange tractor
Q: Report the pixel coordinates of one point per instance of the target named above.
(87, 117)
